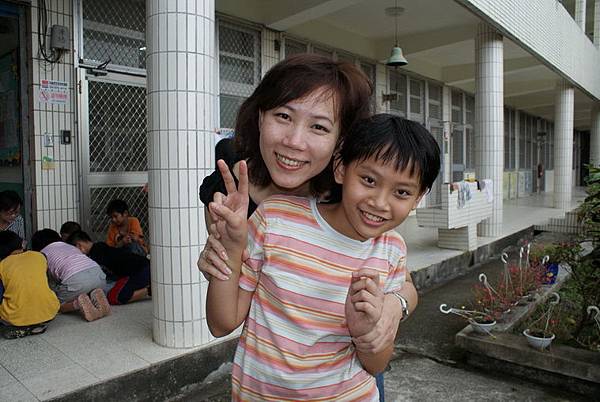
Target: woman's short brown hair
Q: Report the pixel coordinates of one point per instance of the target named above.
(294, 78)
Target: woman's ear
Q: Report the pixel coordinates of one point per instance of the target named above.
(339, 170)
(260, 117)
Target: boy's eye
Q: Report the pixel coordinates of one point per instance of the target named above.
(402, 193)
(368, 180)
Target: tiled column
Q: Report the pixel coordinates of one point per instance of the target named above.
(595, 136)
(489, 119)
(563, 144)
(181, 119)
(597, 23)
(580, 14)
(447, 118)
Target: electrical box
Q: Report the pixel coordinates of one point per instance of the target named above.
(65, 137)
(48, 140)
(59, 37)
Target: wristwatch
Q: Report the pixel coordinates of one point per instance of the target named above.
(404, 304)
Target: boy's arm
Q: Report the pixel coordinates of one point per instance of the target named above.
(364, 306)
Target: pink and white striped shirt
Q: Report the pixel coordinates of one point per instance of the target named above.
(65, 260)
(295, 344)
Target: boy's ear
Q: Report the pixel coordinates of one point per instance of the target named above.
(339, 170)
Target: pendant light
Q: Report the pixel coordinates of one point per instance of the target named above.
(396, 58)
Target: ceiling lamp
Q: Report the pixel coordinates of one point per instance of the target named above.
(396, 57)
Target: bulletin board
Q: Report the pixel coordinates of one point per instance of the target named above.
(10, 147)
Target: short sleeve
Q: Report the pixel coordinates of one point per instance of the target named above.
(135, 227)
(251, 268)
(397, 265)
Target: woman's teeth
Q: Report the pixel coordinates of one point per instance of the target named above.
(288, 161)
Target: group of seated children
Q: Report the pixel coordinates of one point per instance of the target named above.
(68, 272)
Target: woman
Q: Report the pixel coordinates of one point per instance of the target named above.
(287, 131)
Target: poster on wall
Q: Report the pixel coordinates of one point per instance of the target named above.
(10, 150)
(54, 92)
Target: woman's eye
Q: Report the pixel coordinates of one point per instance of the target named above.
(283, 116)
(321, 128)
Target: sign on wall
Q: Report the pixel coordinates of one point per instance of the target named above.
(54, 92)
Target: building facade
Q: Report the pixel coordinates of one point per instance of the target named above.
(100, 98)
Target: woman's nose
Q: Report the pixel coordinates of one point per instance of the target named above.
(295, 137)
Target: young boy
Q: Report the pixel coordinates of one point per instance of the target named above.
(27, 304)
(73, 276)
(131, 270)
(67, 229)
(124, 230)
(10, 213)
(317, 273)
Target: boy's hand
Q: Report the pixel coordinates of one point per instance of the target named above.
(232, 214)
(364, 302)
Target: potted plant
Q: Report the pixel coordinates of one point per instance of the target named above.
(551, 256)
(539, 333)
(481, 322)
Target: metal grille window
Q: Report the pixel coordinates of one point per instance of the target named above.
(398, 87)
(435, 101)
(528, 150)
(506, 138)
(323, 52)
(369, 70)
(416, 93)
(239, 68)
(115, 30)
(469, 109)
(470, 148)
(294, 47)
(117, 133)
(135, 197)
(457, 146)
(522, 135)
(513, 139)
(345, 57)
(550, 146)
(457, 107)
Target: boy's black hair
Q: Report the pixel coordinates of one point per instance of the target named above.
(79, 235)
(9, 242)
(42, 238)
(394, 139)
(9, 200)
(69, 228)
(118, 206)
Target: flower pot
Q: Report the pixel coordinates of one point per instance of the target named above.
(551, 273)
(482, 327)
(537, 342)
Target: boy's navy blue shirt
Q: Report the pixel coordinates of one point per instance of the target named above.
(118, 261)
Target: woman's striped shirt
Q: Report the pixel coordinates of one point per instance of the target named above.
(295, 344)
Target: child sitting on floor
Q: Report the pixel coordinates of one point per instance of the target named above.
(132, 271)
(72, 276)
(10, 213)
(124, 230)
(68, 228)
(27, 304)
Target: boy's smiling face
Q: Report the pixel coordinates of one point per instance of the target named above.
(375, 197)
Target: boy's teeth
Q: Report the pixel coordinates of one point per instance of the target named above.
(288, 161)
(373, 217)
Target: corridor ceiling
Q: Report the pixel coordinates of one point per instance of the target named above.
(437, 37)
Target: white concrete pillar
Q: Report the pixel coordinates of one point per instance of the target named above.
(595, 136)
(447, 132)
(489, 119)
(563, 144)
(181, 120)
(580, 14)
(597, 24)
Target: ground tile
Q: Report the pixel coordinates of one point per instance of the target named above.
(31, 356)
(58, 382)
(16, 392)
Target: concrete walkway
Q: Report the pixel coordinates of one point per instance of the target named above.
(115, 358)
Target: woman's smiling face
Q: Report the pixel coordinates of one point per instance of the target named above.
(298, 139)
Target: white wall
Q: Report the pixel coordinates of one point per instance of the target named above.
(547, 30)
(56, 194)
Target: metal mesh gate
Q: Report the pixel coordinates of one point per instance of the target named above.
(115, 30)
(239, 69)
(136, 199)
(117, 118)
